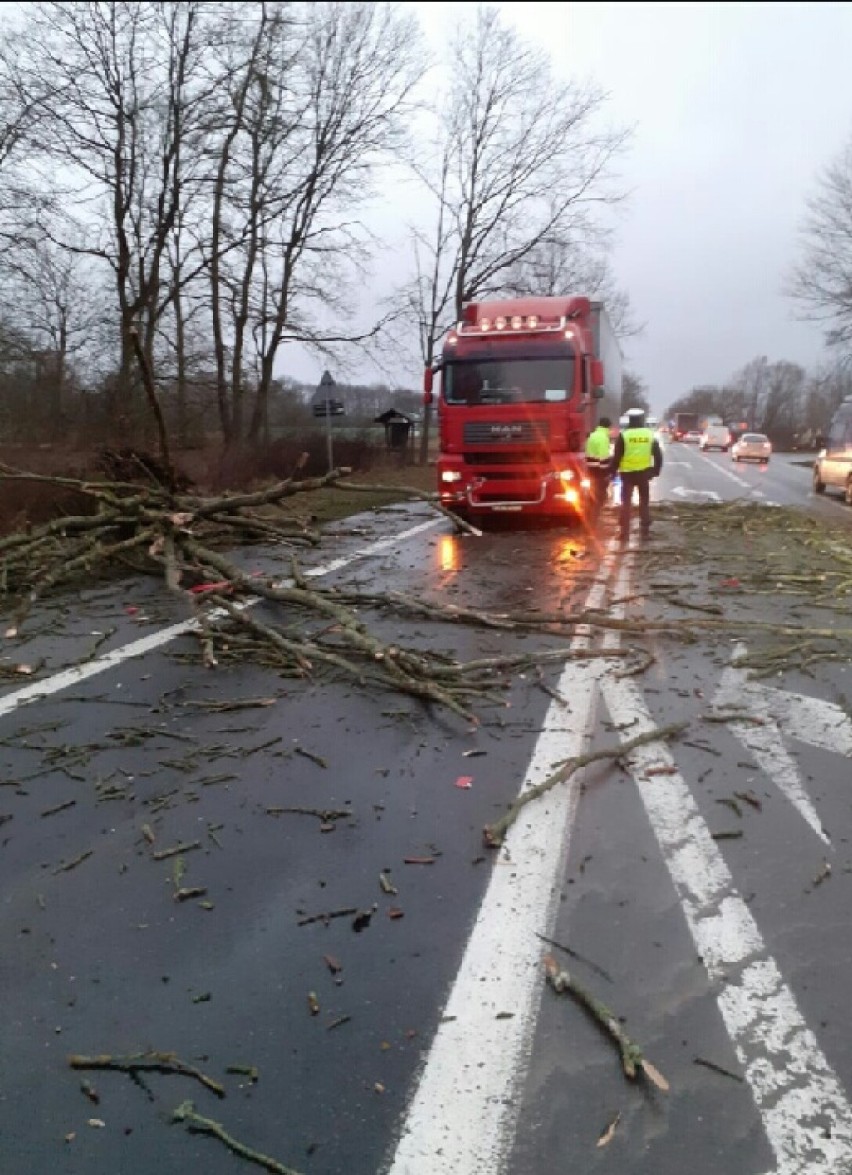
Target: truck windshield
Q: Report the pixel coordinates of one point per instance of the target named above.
(509, 381)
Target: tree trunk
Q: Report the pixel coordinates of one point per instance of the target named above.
(181, 372)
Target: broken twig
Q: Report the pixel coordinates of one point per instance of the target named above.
(632, 1060)
(151, 1062)
(494, 833)
(198, 1124)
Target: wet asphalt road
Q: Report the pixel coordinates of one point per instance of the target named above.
(101, 958)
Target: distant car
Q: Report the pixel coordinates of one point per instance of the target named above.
(752, 446)
(715, 436)
(833, 466)
(692, 438)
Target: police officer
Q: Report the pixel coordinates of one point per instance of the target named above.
(637, 458)
(598, 462)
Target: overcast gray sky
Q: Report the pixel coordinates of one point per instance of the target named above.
(736, 107)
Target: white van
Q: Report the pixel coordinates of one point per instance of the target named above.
(833, 466)
(715, 436)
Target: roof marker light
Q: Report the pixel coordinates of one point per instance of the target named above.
(532, 321)
(499, 322)
(485, 324)
(517, 322)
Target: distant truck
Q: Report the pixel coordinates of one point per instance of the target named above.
(686, 422)
(522, 383)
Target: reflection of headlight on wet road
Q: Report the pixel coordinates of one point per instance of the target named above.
(569, 551)
(449, 553)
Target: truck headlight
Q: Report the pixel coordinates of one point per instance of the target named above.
(450, 475)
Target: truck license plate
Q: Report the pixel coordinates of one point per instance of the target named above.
(507, 506)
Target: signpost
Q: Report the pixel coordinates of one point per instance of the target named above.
(325, 405)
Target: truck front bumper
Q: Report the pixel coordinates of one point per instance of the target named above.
(550, 493)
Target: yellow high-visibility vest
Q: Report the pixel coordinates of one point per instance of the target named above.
(597, 446)
(638, 455)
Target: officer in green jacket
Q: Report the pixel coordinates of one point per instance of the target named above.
(598, 456)
(637, 459)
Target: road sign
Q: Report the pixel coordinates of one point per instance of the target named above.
(326, 405)
(329, 408)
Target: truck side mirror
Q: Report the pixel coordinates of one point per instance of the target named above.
(428, 376)
(597, 373)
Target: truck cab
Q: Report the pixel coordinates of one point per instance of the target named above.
(522, 383)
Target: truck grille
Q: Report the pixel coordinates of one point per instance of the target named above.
(506, 432)
(515, 457)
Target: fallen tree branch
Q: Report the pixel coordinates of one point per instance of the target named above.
(633, 1061)
(151, 1062)
(418, 495)
(198, 1124)
(494, 834)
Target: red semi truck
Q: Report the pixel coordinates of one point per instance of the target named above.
(522, 383)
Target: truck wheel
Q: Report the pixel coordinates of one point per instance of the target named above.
(819, 484)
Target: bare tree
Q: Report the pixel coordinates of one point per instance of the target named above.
(578, 264)
(634, 393)
(821, 283)
(124, 82)
(316, 103)
(57, 303)
(522, 159)
(783, 400)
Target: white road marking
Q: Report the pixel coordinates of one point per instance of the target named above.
(809, 720)
(684, 492)
(735, 477)
(464, 1110)
(462, 1117)
(804, 1109)
(155, 640)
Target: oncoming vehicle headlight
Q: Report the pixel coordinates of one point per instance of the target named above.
(450, 475)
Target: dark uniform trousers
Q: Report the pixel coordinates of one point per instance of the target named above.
(599, 476)
(639, 480)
